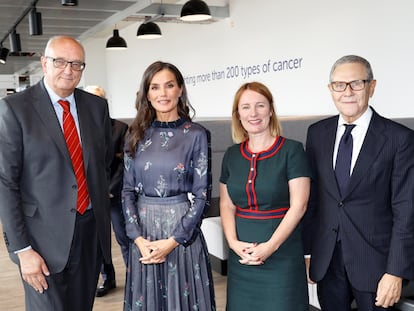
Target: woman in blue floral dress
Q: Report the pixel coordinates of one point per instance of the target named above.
(167, 185)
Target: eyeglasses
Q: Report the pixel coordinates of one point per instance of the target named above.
(62, 63)
(356, 85)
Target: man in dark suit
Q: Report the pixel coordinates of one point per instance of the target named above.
(58, 246)
(119, 130)
(359, 231)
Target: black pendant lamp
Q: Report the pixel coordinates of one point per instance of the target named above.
(149, 30)
(4, 52)
(69, 2)
(15, 43)
(35, 23)
(116, 42)
(195, 10)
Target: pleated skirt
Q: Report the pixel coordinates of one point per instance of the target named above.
(184, 281)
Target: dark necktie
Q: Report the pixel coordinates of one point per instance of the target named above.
(75, 150)
(343, 159)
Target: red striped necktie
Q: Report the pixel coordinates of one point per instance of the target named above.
(75, 150)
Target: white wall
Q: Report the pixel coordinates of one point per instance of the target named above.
(258, 32)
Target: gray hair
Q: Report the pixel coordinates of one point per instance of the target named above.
(95, 89)
(353, 59)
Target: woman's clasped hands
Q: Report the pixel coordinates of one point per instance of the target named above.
(253, 254)
(155, 252)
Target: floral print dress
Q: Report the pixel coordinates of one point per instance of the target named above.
(170, 168)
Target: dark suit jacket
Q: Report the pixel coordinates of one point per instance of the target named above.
(37, 183)
(119, 130)
(375, 216)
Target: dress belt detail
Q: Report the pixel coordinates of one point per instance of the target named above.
(163, 200)
(255, 214)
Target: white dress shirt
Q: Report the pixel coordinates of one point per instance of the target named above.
(358, 135)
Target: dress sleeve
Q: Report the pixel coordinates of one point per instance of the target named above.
(224, 168)
(298, 165)
(129, 199)
(189, 226)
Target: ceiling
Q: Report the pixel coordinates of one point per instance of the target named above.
(89, 19)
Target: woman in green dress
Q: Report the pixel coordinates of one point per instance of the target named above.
(264, 190)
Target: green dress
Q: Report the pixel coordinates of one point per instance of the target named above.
(258, 186)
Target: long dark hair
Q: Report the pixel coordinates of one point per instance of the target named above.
(146, 113)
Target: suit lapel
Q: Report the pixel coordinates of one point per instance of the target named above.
(372, 146)
(44, 108)
(327, 139)
(84, 126)
(331, 172)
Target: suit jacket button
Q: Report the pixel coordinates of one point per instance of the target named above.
(340, 204)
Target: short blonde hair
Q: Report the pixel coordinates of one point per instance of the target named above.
(238, 132)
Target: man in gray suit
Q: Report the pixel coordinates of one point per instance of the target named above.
(59, 250)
